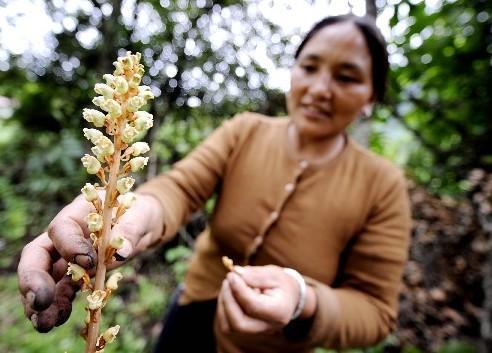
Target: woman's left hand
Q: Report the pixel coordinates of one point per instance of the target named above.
(257, 299)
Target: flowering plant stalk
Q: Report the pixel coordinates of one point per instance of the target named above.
(114, 156)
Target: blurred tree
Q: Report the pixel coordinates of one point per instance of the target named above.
(205, 61)
(442, 56)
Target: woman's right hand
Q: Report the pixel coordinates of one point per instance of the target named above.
(47, 292)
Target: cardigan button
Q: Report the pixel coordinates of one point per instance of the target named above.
(303, 164)
(289, 187)
(274, 215)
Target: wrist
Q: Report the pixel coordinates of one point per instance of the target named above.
(302, 288)
(310, 304)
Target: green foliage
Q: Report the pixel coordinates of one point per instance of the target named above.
(440, 87)
(137, 306)
(178, 257)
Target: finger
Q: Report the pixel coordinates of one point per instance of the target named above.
(35, 282)
(251, 301)
(141, 226)
(238, 321)
(59, 311)
(221, 317)
(262, 277)
(69, 233)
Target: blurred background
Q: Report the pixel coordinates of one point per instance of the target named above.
(207, 60)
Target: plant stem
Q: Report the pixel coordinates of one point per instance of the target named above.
(93, 327)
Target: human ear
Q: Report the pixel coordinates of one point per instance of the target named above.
(367, 110)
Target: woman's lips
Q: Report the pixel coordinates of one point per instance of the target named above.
(316, 113)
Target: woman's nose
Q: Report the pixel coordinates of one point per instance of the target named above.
(322, 86)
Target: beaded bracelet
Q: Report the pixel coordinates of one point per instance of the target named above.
(302, 291)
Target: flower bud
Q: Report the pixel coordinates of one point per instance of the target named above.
(91, 164)
(100, 101)
(92, 135)
(126, 62)
(140, 148)
(110, 80)
(104, 90)
(96, 299)
(140, 69)
(147, 95)
(90, 193)
(144, 121)
(110, 334)
(118, 68)
(138, 163)
(129, 133)
(136, 58)
(76, 271)
(112, 282)
(94, 116)
(127, 200)
(117, 242)
(113, 107)
(135, 103)
(124, 185)
(135, 81)
(121, 85)
(94, 222)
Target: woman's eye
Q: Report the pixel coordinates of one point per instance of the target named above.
(347, 78)
(308, 68)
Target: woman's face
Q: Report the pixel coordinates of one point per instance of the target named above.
(331, 81)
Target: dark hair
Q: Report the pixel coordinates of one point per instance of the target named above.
(375, 43)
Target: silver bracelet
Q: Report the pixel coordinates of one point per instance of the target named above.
(302, 291)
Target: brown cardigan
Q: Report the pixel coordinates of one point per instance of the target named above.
(344, 225)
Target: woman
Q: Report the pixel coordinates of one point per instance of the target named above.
(295, 196)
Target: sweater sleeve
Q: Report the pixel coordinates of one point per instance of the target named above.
(361, 309)
(194, 179)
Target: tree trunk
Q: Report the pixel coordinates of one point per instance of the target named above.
(371, 9)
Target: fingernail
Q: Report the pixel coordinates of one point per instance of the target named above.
(125, 251)
(34, 320)
(30, 298)
(85, 261)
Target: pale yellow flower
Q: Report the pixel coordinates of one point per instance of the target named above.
(90, 193)
(91, 164)
(139, 148)
(94, 222)
(135, 81)
(127, 200)
(104, 90)
(121, 85)
(112, 282)
(129, 133)
(143, 121)
(126, 62)
(110, 80)
(138, 163)
(118, 68)
(76, 271)
(100, 101)
(92, 135)
(135, 103)
(113, 108)
(110, 334)
(117, 242)
(124, 185)
(104, 145)
(94, 116)
(96, 299)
